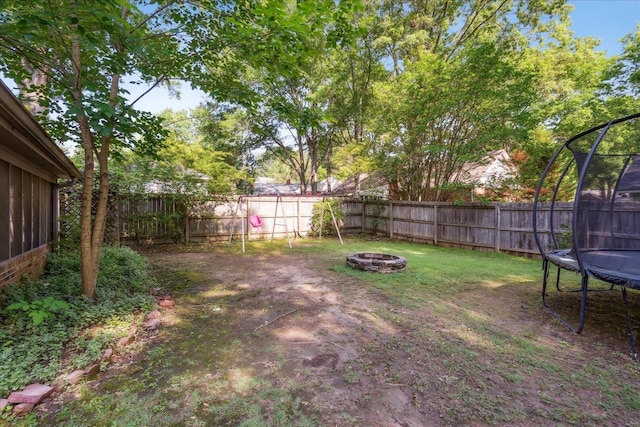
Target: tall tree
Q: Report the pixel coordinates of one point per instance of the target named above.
(354, 70)
(457, 89)
(88, 49)
(569, 74)
(85, 52)
(438, 115)
(621, 88)
(280, 91)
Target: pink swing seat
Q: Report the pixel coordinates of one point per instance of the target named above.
(255, 221)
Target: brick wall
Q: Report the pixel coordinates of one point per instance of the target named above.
(29, 264)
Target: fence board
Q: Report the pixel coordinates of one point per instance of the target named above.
(505, 227)
(159, 219)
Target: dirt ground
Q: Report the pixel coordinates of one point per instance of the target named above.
(294, 338)
(345, 355)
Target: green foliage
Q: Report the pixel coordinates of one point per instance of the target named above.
(41, 319)
(39, 310)
(442, 113)
(321, 218)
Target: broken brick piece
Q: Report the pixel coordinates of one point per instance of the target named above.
(32, 393)
(74, 377)
(23, 408)
(151, 324)
(166, 303)
(155, 314)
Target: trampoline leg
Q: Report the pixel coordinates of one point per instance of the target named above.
(558, 280)
(632, 345)
(583, 303)
(545, 276)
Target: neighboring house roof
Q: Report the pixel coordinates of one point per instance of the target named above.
(193, 182)
(323, 185)
(490, 171)
(269, 189)
(364, 184)
(23, 137)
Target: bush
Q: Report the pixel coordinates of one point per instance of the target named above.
(322, 214)
(33, 351)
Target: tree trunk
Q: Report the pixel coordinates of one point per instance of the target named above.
(329, 166)
(88, 269)
(312, 144)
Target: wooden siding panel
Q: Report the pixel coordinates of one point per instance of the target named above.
(5, 212)
(16, 220)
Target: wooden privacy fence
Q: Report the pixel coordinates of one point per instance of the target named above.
(163, 219)
(500, 227)
(503, 227)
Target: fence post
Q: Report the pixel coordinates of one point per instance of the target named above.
(186, 227)
(391, 219)
(249, 229)
(299, 227)
(497, 236)
(435, 225)
(364, 216)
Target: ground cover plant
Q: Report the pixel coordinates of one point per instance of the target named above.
(280, 337)
(47, 327)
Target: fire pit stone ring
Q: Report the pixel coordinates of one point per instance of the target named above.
(376, 262)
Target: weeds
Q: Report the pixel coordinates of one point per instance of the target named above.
(429, 334)
(40, 319)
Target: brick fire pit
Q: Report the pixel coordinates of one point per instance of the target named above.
(380, 263)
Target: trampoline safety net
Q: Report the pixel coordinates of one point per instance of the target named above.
(586, 211)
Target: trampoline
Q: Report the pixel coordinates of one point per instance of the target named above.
(586, 213)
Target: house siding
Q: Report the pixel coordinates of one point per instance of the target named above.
(30, 166)
(27, 214)
(28, 223)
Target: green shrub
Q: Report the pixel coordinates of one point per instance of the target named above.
(39, 310)
(32, 350)
(322, 215)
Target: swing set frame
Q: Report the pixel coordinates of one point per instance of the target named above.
(242, 212)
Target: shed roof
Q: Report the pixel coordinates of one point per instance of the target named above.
(24, 137)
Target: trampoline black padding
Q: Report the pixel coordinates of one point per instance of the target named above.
(586, 212)
(618, 267)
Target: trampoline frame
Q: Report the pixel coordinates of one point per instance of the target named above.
(573, 259)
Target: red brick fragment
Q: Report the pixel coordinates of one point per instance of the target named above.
(23, 408)
(107, 355)
(92, 370)
(32, 393)
(151, 324)
(166, 303)
(74, 377)
(155, 314)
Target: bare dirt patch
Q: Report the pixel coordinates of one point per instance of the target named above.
(351, 357)
(288, 338)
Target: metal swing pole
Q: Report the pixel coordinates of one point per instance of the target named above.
(321, 219)
(286, 227)
(275, 217)
(335, 223)
(242, 223)
(233, 226)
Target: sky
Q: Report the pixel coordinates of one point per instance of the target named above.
(607, 20)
